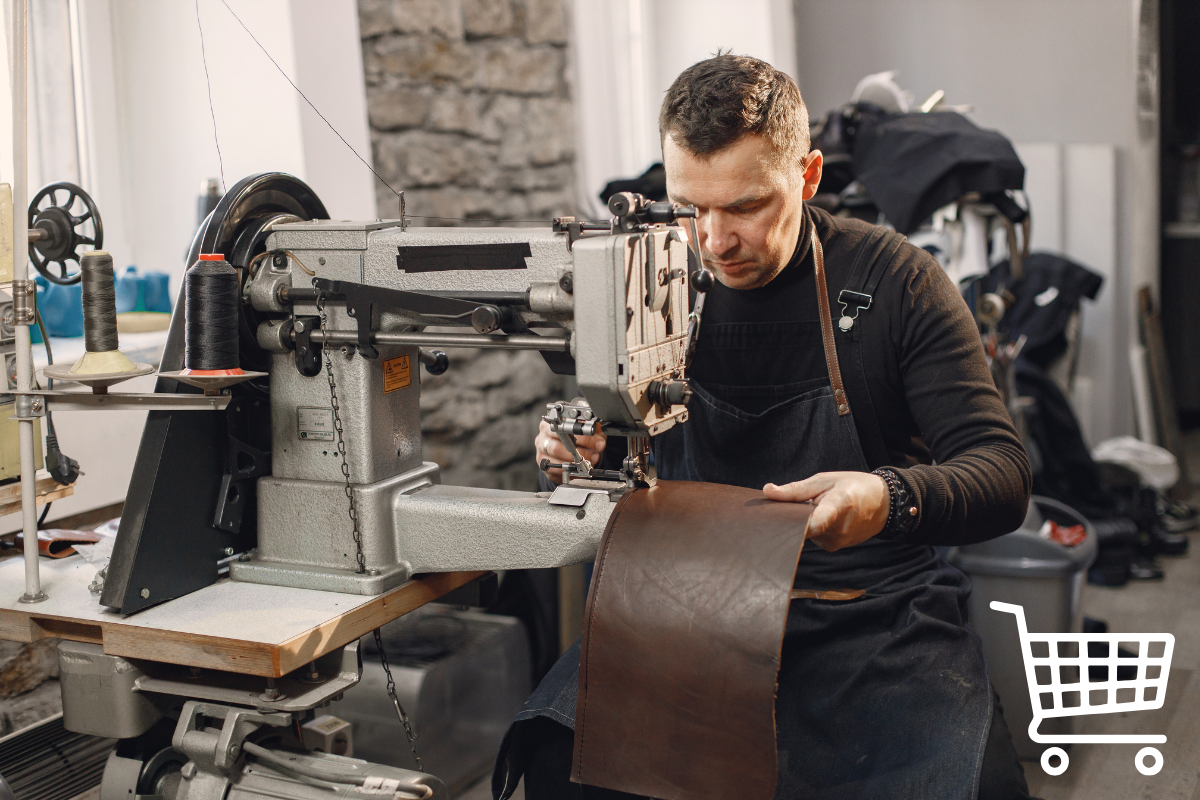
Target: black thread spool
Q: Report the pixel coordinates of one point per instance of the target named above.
(99, 302)
(211, 316)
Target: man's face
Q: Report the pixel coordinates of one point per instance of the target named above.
(750, 208)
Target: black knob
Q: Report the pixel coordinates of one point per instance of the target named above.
(702, 280)
(436, 362)
(661, 212)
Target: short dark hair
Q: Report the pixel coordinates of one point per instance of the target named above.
(715, 102)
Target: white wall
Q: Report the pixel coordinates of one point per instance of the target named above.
(150, 139)
(1048, 71)
(142, 95)
(164, 127)
(628, 52)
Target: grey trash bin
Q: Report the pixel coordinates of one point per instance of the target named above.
(1043, 576)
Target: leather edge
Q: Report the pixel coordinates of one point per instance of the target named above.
(593, 590)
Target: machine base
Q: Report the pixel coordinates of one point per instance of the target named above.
(325, 579)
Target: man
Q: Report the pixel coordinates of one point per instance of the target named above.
(883, 694)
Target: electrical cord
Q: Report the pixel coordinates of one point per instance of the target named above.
(37, 315)
(63, 468)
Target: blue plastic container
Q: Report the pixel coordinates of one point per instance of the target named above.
(129, 290)
(158, 292)
(61, 308)
(149, 292)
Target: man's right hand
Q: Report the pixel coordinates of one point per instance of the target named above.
(547, 445)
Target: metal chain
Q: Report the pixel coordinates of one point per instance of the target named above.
(362, 561)
(391, 690)
(341, 442)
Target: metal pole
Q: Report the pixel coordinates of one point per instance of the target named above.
(20, 110)
(483, 341)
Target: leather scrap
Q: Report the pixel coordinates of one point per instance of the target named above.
(681, 643)
(59, 542)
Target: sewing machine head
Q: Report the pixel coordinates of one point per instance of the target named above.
(609, 307)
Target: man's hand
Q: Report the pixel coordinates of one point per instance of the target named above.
(547, 445)
(851, 507)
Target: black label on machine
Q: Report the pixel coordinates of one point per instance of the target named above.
(446, 257)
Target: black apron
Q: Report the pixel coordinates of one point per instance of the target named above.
(881, 696)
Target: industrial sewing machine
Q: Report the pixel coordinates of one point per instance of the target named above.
(605, 302)
(313, 475)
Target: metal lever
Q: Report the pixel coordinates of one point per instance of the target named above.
(361, 301)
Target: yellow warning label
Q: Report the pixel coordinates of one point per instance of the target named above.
(396, 374)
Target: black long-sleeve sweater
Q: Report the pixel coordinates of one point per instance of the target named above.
(942, 421)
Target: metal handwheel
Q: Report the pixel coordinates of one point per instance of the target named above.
(56, 232)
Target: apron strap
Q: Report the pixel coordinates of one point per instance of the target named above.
(831, 358)
(875, 254)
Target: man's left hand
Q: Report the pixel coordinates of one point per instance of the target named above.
(851, 507)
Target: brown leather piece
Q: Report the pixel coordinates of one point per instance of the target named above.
(681, 643)
(57, 542)
(827, 594)
(831, 359)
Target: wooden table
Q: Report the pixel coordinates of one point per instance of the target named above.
(239, 627)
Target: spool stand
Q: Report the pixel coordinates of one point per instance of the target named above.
(210, 384)
(103, 364)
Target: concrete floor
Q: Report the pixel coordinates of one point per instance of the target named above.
(1102, 771)
(1106, 772)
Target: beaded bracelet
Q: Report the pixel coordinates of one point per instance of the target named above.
(902, 514)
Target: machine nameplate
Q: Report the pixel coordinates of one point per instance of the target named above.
(446, 257)
(315, 423)
(396, 374)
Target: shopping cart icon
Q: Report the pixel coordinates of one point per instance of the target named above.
(1065, 680)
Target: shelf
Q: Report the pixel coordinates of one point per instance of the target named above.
(247, 628)
(45, 488)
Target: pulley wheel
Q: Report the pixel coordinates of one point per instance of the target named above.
(238, 228)
(68, 219)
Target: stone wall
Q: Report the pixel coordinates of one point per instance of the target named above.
(471, 116)
(469, 106)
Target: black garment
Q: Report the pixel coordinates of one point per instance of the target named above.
(873, 729)
(1066, 470)
(652, 183)
(913, 164)
(1047, 295)
(927, 384)
(531, 595)
(549, 773)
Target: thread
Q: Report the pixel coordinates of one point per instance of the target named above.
(99, 302)
(211, 315)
